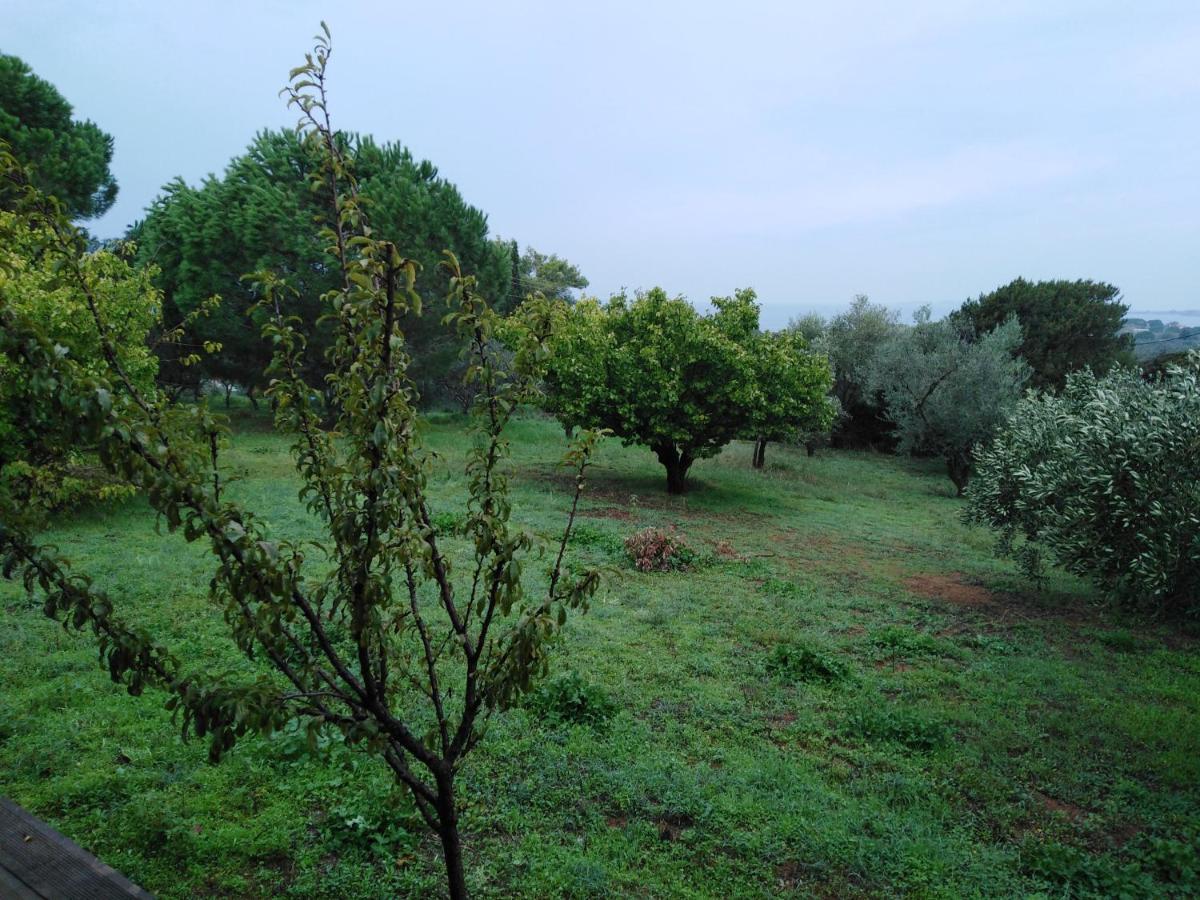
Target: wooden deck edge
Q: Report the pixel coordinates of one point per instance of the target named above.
(46, 864)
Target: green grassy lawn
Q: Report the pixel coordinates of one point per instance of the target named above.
(848, 696)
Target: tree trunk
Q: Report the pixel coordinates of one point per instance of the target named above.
(760, 452)
(677, 464)
(250, 396)
(958, 466)
(456, 880)
(568, 430)
(228, 391)
(810, 447)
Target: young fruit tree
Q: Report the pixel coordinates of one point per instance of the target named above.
(377, 638)
(1104, 480)
(653, 371)
(945, 394)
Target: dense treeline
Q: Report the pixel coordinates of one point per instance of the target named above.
(649, 368)
(262, 214)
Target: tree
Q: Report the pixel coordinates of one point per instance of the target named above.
(551, 276)
(1104, 480)
(653, 371)
(791, 391)
(852, 340)
(41, 466)
(945, 394)
(69, 159)
(265, 213)
(1065, 325)
(377, 638)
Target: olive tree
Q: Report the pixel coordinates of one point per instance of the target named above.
(851, 339)
(1104, 480)
(378, 638)
(655, 372)
(944, 393)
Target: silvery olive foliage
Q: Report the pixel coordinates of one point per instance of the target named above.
(370, 631)
(946, 394)
(1102, 479)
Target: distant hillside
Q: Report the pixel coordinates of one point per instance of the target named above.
(1154, 337)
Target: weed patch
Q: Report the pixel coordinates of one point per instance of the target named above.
(806, 662)
(570, 698)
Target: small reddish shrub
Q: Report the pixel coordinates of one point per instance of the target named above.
(659, 550)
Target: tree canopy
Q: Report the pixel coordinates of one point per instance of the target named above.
(547, 274)
(791, 390)
(851, 339)
(945, 394)
(1065, 325)
(656, 372)
(1103, 479)
(68, 158)
(263, 213)
(42, 466)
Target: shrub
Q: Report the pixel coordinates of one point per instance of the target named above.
(570, 698)
(659, 550)
(898, 725)
(1104, 480)
(804, 662)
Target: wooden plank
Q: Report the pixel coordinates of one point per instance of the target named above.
(38, 860)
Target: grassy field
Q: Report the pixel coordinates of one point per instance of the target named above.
(847, 696)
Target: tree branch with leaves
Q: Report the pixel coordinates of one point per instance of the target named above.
(385, 643)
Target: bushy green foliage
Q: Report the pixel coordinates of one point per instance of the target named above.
(42, 466)
(69, 159)
(946, 394)
(549, 275)
(1149, 867)
(654, 371)
(1104, 480)
(851, 340)
(1065, 325)
(266, 212)
(801, 661)
(568, 697)
(791, 389)
(902, 725)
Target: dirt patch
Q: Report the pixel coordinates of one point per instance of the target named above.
(1051, 804)
(725, 550)
(952, 588)
(670, 827)
(882, 664)
(789, 876)
(782, 720)
(616, 821)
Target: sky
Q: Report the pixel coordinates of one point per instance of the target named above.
(916, 152)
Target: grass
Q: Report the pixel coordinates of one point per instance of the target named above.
(845, 696)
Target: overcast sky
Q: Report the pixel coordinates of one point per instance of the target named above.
(918, 152)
